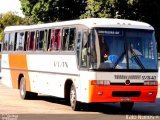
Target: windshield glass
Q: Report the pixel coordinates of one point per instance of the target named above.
(125, 49)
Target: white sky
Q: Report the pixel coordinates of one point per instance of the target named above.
(10, 5)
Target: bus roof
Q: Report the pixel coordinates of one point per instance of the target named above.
(90, 23)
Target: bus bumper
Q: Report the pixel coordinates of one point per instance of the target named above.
(122, 93)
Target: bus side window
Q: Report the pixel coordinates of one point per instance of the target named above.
(52, 47)
(65, 38)
(11, 42)
(15, 41)
(31, 40)
(49, 40)
(45, 40)
(25, 41)
(79, 37)
(84, 49)
(71, 43)
(20, 41)
(57, 38)
(40, 40)
(6, 40)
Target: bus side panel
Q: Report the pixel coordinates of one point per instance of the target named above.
(18, 65)
(6, 74)
(85, 77)
(48, 73)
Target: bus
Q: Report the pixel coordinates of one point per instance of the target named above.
(94, 60)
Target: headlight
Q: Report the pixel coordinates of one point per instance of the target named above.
(100, 82)
(151, 83)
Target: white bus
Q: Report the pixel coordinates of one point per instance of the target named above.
(93, 60)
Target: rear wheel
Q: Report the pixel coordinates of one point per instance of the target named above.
(23, 92)
(127, 106)
(75, 105)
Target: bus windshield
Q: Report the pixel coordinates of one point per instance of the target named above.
(125, 49)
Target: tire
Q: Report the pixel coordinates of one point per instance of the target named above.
(75, 105)
(23, 93)
(127, 106)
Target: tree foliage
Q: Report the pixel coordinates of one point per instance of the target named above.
(97, 8)
(10, 19)
(53, 10)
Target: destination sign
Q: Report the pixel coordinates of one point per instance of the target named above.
(113, 32)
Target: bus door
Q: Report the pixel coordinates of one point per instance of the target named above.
(82, 47)
(82, 57)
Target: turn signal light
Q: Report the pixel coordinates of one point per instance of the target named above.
(100, 82)
(151, 83)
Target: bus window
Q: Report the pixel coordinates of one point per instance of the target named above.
(65, 39)
(6, 40)
(93, 55)
(79, 37)
(20, 41)
(45, 40)
(52, 39)
(49, 40)
(31, 40)
(68, 41)
(11, 42)
(40, 40)
(84, 49)
(25, 41)
(57, 38)
(71, 45)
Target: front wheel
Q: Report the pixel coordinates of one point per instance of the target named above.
(75, 105)
(127, 106)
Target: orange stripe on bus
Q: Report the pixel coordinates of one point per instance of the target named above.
(16, 63)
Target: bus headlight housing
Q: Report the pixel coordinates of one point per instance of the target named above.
(100, 82)
(151, 83)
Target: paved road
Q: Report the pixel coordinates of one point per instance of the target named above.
(12, 107)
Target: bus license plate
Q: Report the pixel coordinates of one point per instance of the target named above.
(125, 99)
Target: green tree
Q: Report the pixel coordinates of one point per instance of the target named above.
(11, 19)
(99, 8)
(53, 10)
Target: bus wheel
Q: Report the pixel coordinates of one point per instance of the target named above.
(75, 105)
(23, 93)
(127, 106)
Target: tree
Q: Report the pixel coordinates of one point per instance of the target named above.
(53, 10)
(98, 8)
(11, 19)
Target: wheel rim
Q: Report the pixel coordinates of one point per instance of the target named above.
(73, 97)
(22, 88)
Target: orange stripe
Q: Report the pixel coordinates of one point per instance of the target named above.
(107, 93)
(18, 61)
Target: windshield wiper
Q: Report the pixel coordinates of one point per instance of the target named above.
(138, 61)
(119, 59)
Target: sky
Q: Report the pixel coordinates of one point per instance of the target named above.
(11, 5)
